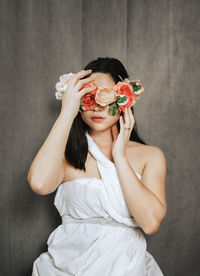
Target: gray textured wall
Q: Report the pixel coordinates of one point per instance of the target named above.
(158, 42)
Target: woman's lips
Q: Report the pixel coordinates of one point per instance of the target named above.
(97, 118)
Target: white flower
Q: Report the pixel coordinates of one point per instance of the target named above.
(61, 86)
(59, 95)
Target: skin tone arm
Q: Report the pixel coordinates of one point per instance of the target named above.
(47, 169)
(145, 198)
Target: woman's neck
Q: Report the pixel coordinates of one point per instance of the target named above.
(103, 138)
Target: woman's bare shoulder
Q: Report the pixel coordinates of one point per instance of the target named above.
(136, 155)
(143, 148)
(139, 155)
(148, 153)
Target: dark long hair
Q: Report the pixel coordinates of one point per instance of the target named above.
(77, 147)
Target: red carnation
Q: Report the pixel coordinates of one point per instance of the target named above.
(125, 95)
(88, 100)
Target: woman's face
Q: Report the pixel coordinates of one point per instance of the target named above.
(105, 80)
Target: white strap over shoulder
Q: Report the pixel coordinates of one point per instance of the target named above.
(115, 203)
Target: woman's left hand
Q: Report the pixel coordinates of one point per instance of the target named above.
(121, 138)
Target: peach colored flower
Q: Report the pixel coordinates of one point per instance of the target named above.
(125, 95)
(105, 96)
(88, 100)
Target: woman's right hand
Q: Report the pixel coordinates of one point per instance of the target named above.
(73, 94)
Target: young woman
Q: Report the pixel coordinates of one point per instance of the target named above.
(110, 185)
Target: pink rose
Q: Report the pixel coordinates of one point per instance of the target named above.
(105, 96)
(88, 100)
(125, 95)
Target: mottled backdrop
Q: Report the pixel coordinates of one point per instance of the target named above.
(158, 42)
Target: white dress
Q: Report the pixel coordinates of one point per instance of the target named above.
(98, 235)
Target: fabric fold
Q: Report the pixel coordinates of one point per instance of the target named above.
(98, 236)
(116, 204)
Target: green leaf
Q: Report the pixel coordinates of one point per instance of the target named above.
(136, 87)
(113, 109)
(121, 99)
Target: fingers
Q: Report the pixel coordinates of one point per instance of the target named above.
(86, 90)
(128, 121)
(121, 121)
(80, 83)
(131, 118)
(78, 76)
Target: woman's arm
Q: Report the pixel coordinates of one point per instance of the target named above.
(47, 169)
(146, 197)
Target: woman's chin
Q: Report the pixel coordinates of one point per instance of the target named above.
(100, 127)
(97, 126)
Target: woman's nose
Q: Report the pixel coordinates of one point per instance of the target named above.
(98, 108)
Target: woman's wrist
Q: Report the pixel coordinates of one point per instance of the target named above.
(67, 114)
(65, 119)
(118, 158)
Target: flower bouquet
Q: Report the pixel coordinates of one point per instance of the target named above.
(123, 95)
